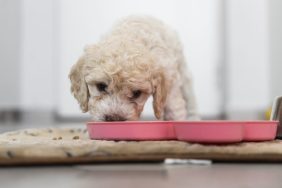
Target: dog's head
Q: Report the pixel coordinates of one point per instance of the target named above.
(114, 86)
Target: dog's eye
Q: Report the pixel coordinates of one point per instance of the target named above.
(101, 86)
(136, 94)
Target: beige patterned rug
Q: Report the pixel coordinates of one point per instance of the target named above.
(72, 146)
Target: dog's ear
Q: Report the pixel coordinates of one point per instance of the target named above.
(159, 95)
(78, 84)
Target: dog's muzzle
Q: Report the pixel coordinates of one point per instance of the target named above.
(114, 117)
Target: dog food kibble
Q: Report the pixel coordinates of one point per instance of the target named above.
(72, 131)
(75, 137)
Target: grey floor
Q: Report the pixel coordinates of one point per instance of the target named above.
(140, 174)
(144, 175)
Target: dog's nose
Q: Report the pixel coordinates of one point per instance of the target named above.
(114, 117)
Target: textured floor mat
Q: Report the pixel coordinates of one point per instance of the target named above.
(72, 146)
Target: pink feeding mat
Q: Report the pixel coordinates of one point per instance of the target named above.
(191, 131)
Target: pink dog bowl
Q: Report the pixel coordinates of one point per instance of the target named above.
(260, 130)
(191, 131)
(209, 131)
(225, 131)
(131, 130)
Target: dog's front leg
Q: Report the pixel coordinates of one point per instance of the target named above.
(180, 106)
(175, 108)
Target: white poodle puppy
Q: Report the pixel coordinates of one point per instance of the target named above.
(140, 57)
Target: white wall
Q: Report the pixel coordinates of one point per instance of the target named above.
(247, 52)
(275, 26)
(197, 21)
(37, 68)
(10, 30)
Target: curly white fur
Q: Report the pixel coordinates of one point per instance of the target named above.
(141, 55)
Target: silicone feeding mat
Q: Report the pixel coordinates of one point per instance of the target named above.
(191, 131)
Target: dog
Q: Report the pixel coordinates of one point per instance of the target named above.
(140, 57)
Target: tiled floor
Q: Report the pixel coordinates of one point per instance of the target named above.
(139, 175)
